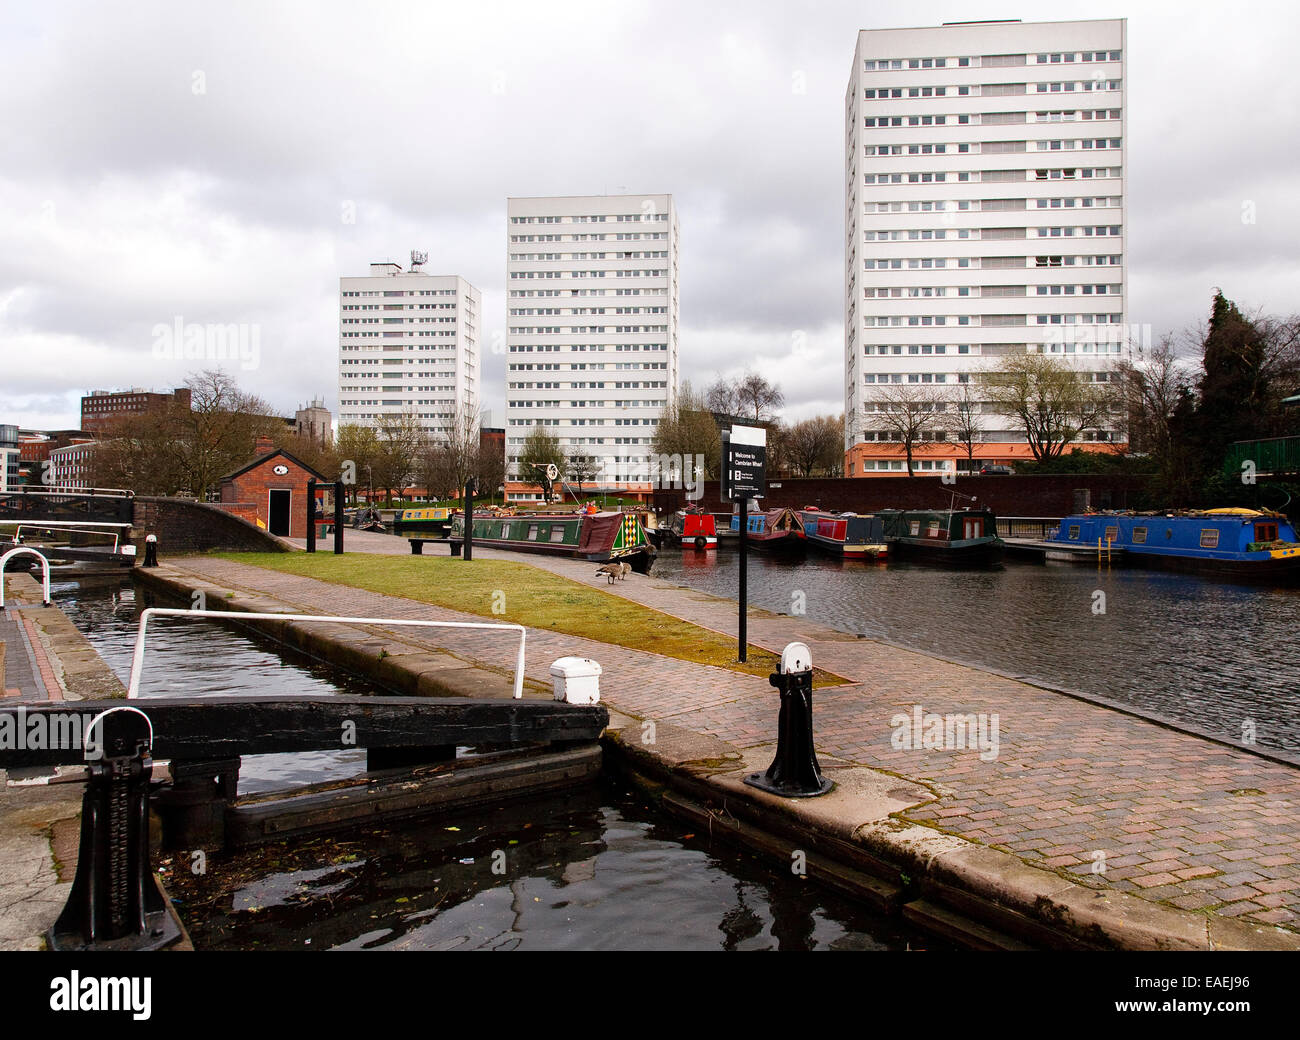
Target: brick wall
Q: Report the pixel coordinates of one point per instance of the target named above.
(1048, 495)
(246, 511)
(185, 526)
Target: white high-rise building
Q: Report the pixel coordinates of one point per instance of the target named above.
(408, 344)
(984, 217)
(591, 342)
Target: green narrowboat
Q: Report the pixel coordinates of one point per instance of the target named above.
(598, 537)
(946, 537)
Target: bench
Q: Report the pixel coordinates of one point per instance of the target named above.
(417, 544)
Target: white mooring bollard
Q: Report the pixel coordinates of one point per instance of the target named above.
(577, 680)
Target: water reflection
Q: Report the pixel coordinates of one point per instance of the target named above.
(595, 870)
(1211, 655)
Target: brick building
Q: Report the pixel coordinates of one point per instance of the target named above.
(101, 407)
(270, 490)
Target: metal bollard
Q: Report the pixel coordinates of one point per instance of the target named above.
(151, 550)
(794, 773)
(115, 903)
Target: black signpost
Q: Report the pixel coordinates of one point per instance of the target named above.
(744, 458)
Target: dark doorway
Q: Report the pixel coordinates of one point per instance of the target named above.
(279, 512)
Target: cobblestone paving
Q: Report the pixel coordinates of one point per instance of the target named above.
(1109, 800)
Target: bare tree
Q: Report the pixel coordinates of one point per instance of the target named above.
(1052, 402)
(402, 438)
(816, 445)
(965, 423)
(906, 413)
(749, 397)
(1151, 388)
(581, 467)
(358, 445)
(688, 429)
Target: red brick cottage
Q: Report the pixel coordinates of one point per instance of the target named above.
(271, 491)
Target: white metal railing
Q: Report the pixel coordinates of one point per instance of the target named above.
(43, 525)
(79, 529)
(137, 657)
(66, 491)
(45, 572)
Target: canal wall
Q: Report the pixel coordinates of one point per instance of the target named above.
(40, 824)
(887, 835)
(185, 526)
(1052, 495)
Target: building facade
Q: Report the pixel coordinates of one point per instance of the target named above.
(409, 345)
(70, 466)
(9, 456)
(101, 407)
(591, 339)
(314, 423)
(984, 218)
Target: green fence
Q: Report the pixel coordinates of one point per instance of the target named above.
(1276, 455)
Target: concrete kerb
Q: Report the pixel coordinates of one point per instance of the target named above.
(991, 887)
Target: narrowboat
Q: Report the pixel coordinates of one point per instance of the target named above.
(946, 537)
(847, 535)
(1228, 544)
(598, 537)
(774, 531)
(433, 522)
(687, 529)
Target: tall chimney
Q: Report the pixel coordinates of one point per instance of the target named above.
(264, 445)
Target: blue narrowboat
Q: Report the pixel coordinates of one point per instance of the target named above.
(1230, 544)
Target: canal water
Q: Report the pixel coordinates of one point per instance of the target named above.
(1211, 655)
(592, 869)
(192, 658)
(597, 869)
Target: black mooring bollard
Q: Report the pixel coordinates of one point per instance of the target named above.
(115, 903)
(794, 773)
(151, 550)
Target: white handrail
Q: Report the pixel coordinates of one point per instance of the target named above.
(66, 491)
(51, 524)
(137, 657)
(45, 572)
(18, 532)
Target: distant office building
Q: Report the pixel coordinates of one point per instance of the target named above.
(591, 340)
(101, 407)
(408, 344)
(70, 467)
(35, 447)
(984, 218)
(9, 457)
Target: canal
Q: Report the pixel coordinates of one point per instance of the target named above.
(1210, 655)
(596, 868)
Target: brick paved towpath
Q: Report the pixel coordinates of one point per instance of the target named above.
(1098, 797)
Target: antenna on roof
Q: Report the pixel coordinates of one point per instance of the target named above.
(418, 257)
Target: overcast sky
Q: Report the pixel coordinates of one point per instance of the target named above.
(199, 161)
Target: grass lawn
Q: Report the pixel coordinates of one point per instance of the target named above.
(527, 596)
